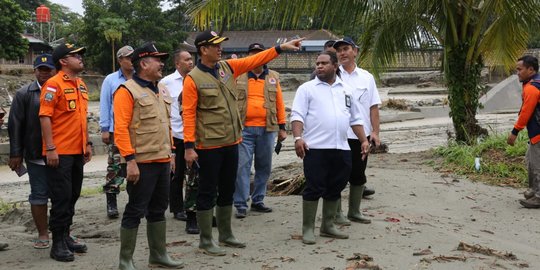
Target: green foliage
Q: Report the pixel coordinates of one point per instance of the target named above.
(471, 32)
(12, 44)
(501, 164)
(143, 21)
(6, 207)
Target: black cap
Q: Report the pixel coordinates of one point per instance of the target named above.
(207, 38)
(256, 47)
(65, 49)
(345, 40)
(44, 60)
(147, 50)
(329, 43)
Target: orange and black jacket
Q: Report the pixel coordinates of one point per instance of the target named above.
(529, 114)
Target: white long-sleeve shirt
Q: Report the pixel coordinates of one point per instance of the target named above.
(327, 112)
(175, 84)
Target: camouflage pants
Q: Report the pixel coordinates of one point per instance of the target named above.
(114, 177)
(192, 189)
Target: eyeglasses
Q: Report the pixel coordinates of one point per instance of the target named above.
(78, 56)
(217, 46)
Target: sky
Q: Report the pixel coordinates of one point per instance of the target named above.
(74, 5)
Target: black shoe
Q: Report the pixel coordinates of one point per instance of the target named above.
(260, 207)
(533, 202)
(74, 245)
(191, 223)
(368, 192)
(59, 249)
(240, 213)
(112, 208)
(180, 216)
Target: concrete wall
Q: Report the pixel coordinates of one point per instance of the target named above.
(99, 147)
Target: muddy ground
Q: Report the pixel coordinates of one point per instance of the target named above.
(415, 208)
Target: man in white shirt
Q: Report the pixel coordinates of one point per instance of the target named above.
(322, 112)
(183, 63)
(366, 95)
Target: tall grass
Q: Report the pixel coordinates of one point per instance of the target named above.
(500, 163)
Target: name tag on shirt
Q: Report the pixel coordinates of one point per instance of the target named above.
(348, 101)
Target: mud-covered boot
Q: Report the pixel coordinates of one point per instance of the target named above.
(128, 241)
(207, 244)
(59, 249)
(112, 208)
(191, 223)
(156, 233)
(74, 244)
(309, 212)
(340, 218)
(226, 237)
(355, 197)
(328, 229)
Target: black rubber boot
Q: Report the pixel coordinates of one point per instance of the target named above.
(191, 223)
(59, 249)
(74, 244)
(112, 208)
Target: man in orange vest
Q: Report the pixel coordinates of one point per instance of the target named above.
(529, 117)
(212, 132)
(263, 114)
(143, 136)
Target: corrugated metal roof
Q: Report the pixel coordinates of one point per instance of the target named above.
(240, 40)
(32, 39)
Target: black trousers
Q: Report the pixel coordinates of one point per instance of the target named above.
(358, 172)
(176, 197)
(217, 176)
(326, 172)
(149, 197)
(64, 183)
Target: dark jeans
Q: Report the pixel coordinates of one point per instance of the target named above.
(358, 173)
(217, 176)
(149, 197)
(176, 203)
(64, 184)
(326, 172)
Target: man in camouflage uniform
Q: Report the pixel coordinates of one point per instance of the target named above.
(114, 177)
(190, 202)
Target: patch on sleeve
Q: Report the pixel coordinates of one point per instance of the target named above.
(52, 89)
(272, 81)
(49, 96)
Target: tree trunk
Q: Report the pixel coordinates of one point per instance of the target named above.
(463, 81)
(113, 57)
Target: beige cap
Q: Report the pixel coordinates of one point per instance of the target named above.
(124, 51)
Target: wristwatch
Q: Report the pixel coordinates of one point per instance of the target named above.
(297, 138)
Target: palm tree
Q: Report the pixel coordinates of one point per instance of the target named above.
(112, 29)
(471, 33)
